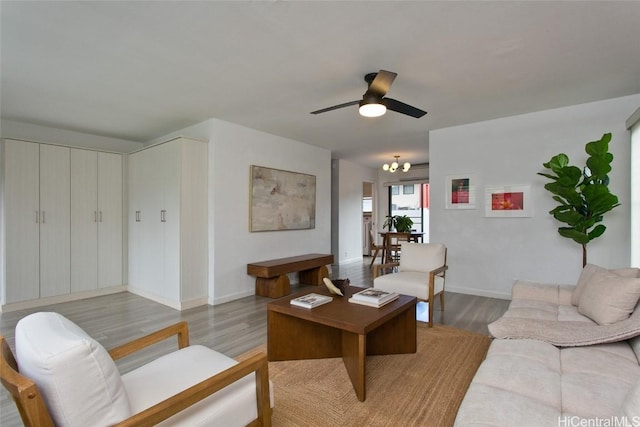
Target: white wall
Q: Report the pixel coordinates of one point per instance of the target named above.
(232, 149)
(485, 255)
(349, 199)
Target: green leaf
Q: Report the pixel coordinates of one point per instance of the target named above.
(577, 236)
(599, 147)
(557, 162)
(597, 232)
(599, 166)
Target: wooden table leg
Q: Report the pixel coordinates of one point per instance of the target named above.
(354, 352)
(292, 338)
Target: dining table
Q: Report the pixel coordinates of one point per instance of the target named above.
(414, 236)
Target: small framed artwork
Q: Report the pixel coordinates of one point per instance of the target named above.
(508, 201)
(460, 192)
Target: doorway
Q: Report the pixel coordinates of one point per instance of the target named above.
(412, 200)
(367, 216)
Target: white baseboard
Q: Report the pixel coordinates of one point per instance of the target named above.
(5, 308)
(177, 305)
(350, 260)
(478, 292)
(232, 297)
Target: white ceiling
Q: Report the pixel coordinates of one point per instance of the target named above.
(139, 70)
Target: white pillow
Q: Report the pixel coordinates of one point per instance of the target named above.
(608, 297)
(78, 379)
(589, 270)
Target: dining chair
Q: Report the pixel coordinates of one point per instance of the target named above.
(392, 245)
(375, 249)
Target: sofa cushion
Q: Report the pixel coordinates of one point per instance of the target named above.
(527, 382)
(608, 297)
(631, 404)
(79, 381)
(157, 380)
(589, 270)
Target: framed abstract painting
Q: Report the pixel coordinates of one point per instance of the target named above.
(281, 200)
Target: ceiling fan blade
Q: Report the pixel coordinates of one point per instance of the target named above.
(401, 107)
(381, 83)
(335, 107)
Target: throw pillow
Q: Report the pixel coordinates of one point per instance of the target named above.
(589, 270)
(609, 298)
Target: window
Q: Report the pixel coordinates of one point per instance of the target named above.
(395, 190)
(634, 126)
(407, 189)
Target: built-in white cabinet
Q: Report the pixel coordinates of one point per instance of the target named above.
(96, 220)
(36, 212)
(168, 222)
(62, 212)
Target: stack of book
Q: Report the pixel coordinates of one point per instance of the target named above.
(373, 297)
(311, 300)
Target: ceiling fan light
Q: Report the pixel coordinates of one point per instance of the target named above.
(406, 166)
(394, 165)
(385, 167)
(372, 109)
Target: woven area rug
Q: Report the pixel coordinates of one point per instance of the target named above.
(421, 389)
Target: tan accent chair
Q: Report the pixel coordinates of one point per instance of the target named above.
(63, 377)
(420, 273)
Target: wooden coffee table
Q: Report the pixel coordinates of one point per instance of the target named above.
(341, 329)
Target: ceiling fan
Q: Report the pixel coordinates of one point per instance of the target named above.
(374, 103)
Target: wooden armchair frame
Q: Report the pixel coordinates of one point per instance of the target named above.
(34, 413)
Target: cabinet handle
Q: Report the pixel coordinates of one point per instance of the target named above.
(95, 216)
(100, 216)
(163, 216)
(137, 216)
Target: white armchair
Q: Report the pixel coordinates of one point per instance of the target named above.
(61, 376)
(420, 273)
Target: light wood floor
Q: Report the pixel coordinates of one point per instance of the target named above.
(231, 328)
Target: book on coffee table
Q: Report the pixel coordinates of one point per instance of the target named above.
(311, 300)
(373, 297)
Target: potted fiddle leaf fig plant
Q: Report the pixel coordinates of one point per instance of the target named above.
(583, 194)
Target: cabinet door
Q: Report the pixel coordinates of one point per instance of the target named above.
(133, 218)
(170, 154)
(152, 229)
(109, 220)
(84, 220)
(54, 221)
(22, 217)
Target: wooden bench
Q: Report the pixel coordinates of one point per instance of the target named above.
(271, 276)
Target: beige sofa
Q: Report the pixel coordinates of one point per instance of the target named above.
(526, 380)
